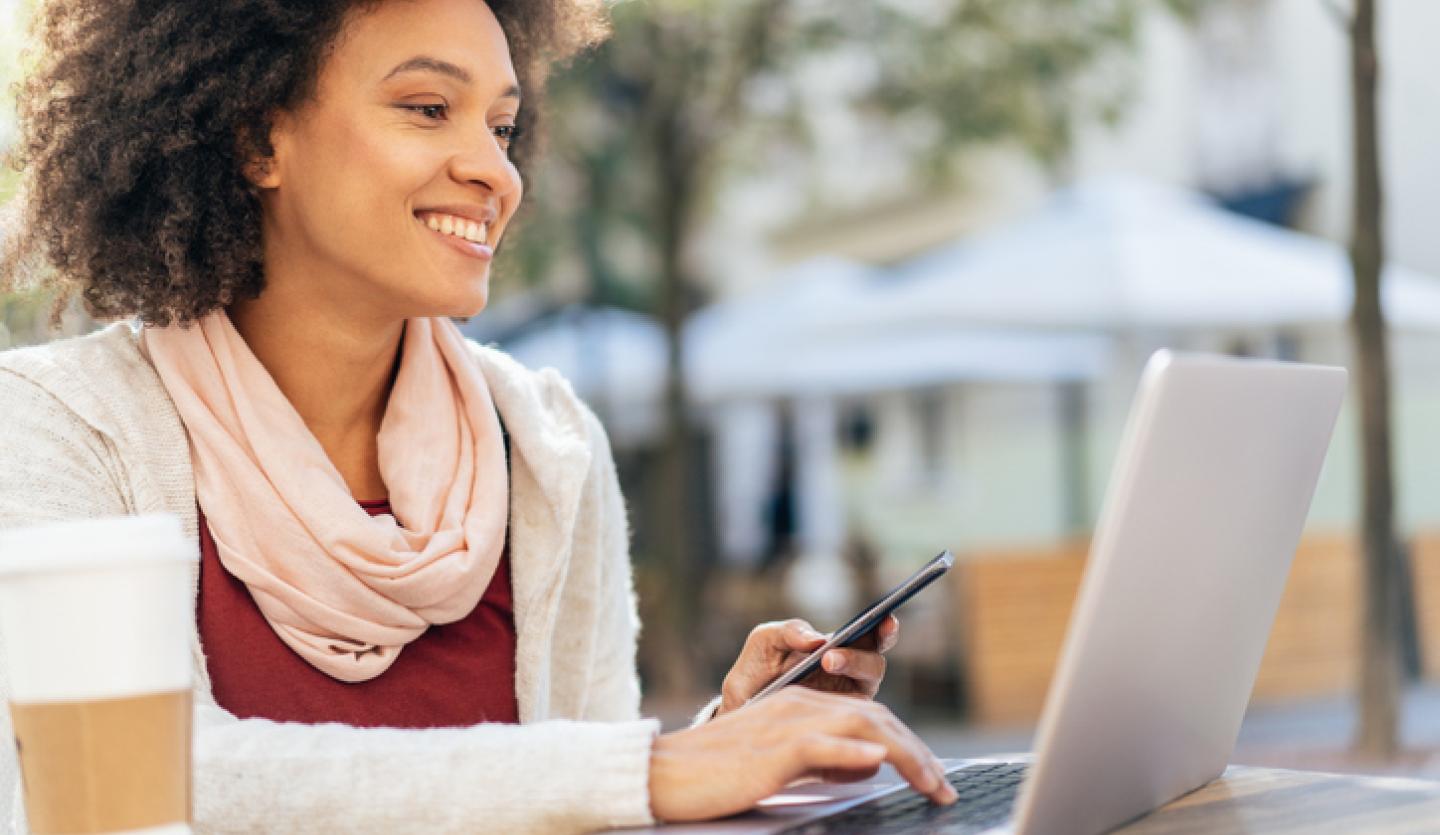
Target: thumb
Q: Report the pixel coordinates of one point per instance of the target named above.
(799, 636)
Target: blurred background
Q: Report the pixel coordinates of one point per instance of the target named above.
(853, 283)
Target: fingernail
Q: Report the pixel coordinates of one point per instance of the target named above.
(834, 663)
(950, 794)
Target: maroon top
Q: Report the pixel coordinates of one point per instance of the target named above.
(454, 675)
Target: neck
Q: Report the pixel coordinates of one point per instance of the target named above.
(335, 368)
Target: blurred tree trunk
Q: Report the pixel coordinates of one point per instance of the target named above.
(686, 119)
(1380, 648)
(676, 168)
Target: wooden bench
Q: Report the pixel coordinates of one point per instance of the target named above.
(1425, 568)
(1015, 606)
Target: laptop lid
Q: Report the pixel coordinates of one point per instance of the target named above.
(1206, 503)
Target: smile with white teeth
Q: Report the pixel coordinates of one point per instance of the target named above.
(458, 226)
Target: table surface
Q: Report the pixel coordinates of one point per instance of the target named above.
(1244, 800)
(1269, 800)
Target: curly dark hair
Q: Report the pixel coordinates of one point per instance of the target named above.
(138, 120)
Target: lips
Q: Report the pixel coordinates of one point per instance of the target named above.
(468, 239)
(448, 224)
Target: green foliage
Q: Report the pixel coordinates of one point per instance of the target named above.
(14, 20)
(999, 69)
(634, 133)
(22, 315)
(1190, 10)
(688, 93)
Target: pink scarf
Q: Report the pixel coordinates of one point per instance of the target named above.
(346, 591)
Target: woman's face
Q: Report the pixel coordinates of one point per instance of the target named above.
(391, 187)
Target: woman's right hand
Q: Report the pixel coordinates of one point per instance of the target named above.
(729, 763)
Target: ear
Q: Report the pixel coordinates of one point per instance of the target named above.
(262, 169)
(263, 173)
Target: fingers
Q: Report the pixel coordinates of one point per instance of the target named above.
(889, 633)
(866, 668)
(769, 650)
(920, 768)
(776, 639)
(796, 634)
(726, 765)
(882, 638)
(836, 716)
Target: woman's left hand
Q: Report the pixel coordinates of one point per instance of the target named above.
(773, 648)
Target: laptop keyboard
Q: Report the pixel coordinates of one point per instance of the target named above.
(987, 794)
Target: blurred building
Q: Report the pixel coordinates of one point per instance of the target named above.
(899, 373)
(1250, 102)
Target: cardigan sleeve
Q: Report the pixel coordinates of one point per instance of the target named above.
(253, 775)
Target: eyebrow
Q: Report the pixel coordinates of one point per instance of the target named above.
(424, 63)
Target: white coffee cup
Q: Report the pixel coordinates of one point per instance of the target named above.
(96, 618)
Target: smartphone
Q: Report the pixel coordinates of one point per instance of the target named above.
(861, 625)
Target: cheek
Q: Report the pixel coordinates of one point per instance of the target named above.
(356, 182)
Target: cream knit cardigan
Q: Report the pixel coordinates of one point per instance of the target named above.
(87, 429)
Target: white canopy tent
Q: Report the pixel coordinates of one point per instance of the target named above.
(788, 343)
(1119, 253)
(783, 344)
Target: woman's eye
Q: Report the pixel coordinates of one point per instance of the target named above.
(429, 111)
(507, 134)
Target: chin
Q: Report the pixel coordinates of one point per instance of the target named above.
(466, 305)
(455, 298)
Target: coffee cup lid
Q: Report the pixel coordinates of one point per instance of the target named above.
(87, 544)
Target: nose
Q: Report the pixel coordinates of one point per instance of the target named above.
(487, 164)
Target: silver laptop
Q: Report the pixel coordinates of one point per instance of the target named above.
(1205, 508)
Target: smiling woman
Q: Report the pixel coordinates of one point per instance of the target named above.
(414, 608)
(138, 122)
